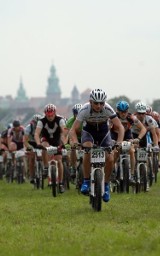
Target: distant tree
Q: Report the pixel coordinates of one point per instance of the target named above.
(114, 101)
(156, 105)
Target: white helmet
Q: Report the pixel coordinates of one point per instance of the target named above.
(49, 109)
(76, 108)
(141, 107)
(36, 117)
(98, 95)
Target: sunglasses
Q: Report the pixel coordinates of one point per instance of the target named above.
(124, 112)
(140, 113)
(96, 103)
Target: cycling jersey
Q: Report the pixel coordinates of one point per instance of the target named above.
(16, 136)
(127, 123)
(69, 124)
(51, 130)
(148, 122)
(30, 130)
(95, 124)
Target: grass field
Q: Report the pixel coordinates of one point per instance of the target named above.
(34, 223)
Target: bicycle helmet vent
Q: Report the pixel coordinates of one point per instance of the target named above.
(76, 108)
(98, 95)
(140, 107)
(122, 105)
(49, 109)
(36, 117)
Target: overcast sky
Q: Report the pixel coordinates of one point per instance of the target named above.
(108, 44)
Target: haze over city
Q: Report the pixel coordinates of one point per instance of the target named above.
(113, 45)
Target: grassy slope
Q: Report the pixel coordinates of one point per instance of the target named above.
(34, 223)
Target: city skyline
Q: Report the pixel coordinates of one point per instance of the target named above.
(113, 45)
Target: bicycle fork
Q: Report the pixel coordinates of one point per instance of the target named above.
(55, 163)
(92, 181)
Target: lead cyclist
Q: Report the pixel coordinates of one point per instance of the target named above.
(94, 117)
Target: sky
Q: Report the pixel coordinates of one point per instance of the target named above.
(109, 44)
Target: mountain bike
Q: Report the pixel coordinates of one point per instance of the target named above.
(53, 179)
(155, 163)
(1, 164)
(66, 172)
(141, 170)
(19, 155)
(79, 170)
(97, 175)
(122, 171)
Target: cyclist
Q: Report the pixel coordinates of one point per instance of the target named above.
(29, 143)
(149, 124)
(73, 158)
(4, 144)
(94, 116)
(128, 120)
(50, 130)
(16, 141)
(156, 117)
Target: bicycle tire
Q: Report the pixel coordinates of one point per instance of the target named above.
(155, 165)
(66, 176)
(9, 173)
(97, 200)
(19, 172)
(79, 177)
(53, 180)
(1, 171)
(150, 172)
(124, 184)
(39, 176)
(143, 178)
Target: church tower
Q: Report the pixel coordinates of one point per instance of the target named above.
(75, 96)
(21, 93)
(53, 92)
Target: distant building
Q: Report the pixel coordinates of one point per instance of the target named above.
(24, 107)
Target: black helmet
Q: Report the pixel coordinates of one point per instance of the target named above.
(16, 123)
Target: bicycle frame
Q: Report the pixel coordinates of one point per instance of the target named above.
(97, 162)
(97, 174)
(122, 169)
(141, 159)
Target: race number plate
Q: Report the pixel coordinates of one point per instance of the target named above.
(142, 155)
(97, 156)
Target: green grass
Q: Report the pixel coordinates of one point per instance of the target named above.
(33, 223)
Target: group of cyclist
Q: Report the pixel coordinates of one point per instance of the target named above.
(95, 122)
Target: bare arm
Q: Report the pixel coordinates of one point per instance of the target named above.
(154, 136)
(73, 132)
(119, 128)
(37, 135)
(64, 135)
(143, 130)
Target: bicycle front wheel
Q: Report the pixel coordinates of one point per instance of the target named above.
(53, 180)
(97, 199)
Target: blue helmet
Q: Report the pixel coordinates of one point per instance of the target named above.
(122, 105)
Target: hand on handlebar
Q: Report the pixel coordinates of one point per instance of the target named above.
(39, 146)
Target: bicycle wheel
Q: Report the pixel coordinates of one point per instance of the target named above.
(79, 177)
(66, 176)
(97, 200)
(150, 171)
(39, 176)
(9, 172)
(19, 172)
(124, 184)
(1, 171)
(143, 178)
(155, 165)
(53, 180)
